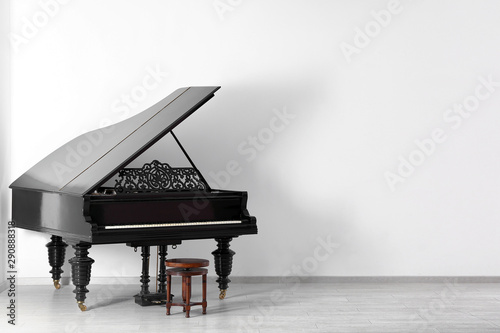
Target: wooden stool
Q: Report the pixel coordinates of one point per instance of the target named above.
(187, 267)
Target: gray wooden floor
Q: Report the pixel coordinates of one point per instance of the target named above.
(266, 307)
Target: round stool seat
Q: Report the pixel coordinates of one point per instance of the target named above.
(187, 263)
(183, 272)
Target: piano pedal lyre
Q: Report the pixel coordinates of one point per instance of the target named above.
(82, 306)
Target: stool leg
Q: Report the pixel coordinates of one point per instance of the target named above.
(204, 284)
(188, 295)
(184, 293)
(169, 299)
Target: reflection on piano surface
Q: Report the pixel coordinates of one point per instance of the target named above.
(86, 193)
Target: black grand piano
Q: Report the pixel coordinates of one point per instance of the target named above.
(86, 193)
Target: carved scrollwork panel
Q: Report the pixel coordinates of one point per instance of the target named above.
(158, 177)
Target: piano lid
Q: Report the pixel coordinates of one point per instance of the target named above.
(87, 161)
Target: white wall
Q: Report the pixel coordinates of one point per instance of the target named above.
(4, 134)
(324, 173)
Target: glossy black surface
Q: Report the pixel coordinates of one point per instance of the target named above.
(175, 207)
(53, 213)
(90, 159)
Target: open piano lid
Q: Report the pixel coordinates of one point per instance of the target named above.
(89, 160)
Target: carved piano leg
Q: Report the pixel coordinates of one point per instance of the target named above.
(162, 274)
(81, 265)
(145, 270)
(223, 262)
(141, 297)
(57, 249)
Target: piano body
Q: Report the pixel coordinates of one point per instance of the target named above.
(84, 193)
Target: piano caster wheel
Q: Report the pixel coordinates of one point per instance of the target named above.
(57, 285)
(222, 294)
(82, 306)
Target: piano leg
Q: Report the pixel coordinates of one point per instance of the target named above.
(223, 261)
(162, 274)
(80, 272)
(141, 297)
(145, 251)
(57, 249)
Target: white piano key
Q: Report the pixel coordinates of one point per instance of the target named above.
(174, 224)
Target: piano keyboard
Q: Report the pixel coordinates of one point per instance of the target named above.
(161, 225)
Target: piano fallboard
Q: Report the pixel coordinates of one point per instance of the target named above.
(150, 208)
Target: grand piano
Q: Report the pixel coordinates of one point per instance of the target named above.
(87, 193)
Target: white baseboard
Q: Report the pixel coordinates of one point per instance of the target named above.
(122, 280)
(36, 281)
(3, 286)
(277, 279)
(366, 279)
